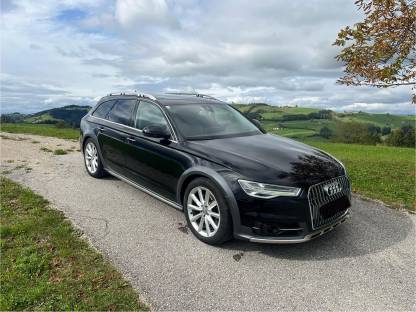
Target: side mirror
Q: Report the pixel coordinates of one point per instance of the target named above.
(156, 131)
(257, 123)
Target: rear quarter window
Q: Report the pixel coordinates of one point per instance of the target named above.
(122, 112)
(102, 110)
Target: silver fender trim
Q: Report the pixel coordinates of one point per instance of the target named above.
(144, 189)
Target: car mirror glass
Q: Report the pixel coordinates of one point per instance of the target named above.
(156, 131)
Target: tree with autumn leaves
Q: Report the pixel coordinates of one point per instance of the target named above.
(380, 51)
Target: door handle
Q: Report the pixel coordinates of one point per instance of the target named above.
(130, 140)
(101, 129)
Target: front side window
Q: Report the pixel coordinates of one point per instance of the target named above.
(103, 109)
(204, 121)
(122, 111)
(149, 114)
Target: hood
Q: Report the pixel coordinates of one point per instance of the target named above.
(269, 159)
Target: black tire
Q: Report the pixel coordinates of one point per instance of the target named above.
(225, 228)
(99, 169)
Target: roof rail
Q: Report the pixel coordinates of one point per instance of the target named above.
(143, 95)
(146, 95)
(194, 94)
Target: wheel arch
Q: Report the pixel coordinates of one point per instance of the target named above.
(97, 145)
(84, 140)
(198, 172)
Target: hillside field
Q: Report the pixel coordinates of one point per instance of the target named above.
(70, 115)
(275, 120)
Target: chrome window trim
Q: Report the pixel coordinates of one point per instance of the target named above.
(131, 128)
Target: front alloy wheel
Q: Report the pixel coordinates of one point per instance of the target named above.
(203, 211)
(206, 212)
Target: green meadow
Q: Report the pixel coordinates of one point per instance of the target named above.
(41, 129)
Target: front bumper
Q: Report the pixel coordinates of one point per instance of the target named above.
(296, 239)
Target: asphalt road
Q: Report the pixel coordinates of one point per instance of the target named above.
(368, 263)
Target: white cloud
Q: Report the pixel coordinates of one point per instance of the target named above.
(398, 108)
(142, 12)
(280, 52)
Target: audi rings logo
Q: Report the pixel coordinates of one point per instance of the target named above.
(332, 188)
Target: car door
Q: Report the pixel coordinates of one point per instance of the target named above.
(152, 162)
(113, 134)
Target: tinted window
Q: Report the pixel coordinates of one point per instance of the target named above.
(201, 121)
(122, 111)
(149, 114)
(103, 109)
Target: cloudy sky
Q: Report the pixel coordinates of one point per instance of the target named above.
(55, 53)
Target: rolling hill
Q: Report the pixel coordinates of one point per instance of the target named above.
(305, 123)
(70, 115)
(301, 123)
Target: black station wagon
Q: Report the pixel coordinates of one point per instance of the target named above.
(230, 177)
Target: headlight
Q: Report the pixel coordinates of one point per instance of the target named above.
(262, 190)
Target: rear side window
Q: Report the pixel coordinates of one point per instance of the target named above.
(103, 109)
(122, 111)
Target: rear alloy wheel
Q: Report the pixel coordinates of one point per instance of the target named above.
(206, 212)
(92, 160)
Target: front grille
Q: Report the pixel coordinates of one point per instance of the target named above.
(328, 200)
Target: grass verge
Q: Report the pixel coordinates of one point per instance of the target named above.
(60, 151)
(40, 129)
(378, 172)
(46, 266)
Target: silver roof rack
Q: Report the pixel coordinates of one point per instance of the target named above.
(194, 94)
(146, 95)
(143, 95)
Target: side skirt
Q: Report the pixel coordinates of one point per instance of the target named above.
(144, 189)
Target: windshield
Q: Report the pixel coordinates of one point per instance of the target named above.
(204, 121)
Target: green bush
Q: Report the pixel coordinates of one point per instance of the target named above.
(356, 133)
(405, 137)
(325, 132)
(62, 125)
(385, 130)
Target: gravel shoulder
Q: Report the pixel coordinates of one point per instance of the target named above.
(368, 263)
